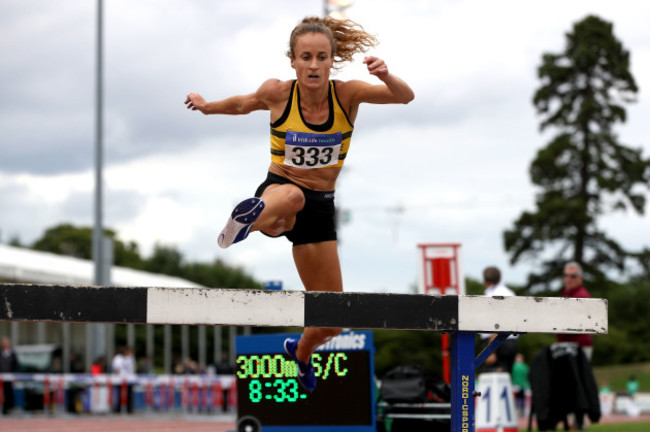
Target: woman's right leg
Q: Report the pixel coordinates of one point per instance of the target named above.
(273, 213)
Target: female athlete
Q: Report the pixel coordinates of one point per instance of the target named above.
(312, 120)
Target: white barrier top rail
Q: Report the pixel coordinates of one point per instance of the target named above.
(222, 306)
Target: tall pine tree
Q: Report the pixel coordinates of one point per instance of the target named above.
(584, 172)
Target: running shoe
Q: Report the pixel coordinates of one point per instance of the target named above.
(306, 375)
(241, 220)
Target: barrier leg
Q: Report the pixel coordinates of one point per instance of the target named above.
(185, 398)
(490, 348)
(109, 394)
(60, 396)
(171, 400)
(217, 396)
(124, 395)
(46, 395)
(195, 397)
(462, 382)
(206, 401)
(163, 396)
(2, 397)
(149, 396)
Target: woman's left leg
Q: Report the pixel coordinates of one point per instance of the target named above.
(320, 270)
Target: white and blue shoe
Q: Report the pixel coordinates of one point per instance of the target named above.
(241, 220)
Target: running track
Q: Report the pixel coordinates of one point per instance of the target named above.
(113, 424)
(144, 424)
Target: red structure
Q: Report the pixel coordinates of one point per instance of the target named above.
(440, 274)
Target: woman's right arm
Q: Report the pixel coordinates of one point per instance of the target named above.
(262, 99)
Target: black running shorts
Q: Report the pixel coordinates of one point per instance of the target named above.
(316, 221)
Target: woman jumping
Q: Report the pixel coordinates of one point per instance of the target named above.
(312, 120)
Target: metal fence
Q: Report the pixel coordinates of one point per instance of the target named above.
(100, 394)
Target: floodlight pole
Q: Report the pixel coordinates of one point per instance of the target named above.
(97, 332)
(98, 231)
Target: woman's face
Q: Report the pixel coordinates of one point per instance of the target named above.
(312, 59)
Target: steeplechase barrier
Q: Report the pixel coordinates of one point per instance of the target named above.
(460, 316)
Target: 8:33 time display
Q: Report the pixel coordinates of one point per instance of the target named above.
(268, 389)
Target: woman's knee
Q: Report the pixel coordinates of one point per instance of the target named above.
(286, 201)
(288, 197)
(294, 198)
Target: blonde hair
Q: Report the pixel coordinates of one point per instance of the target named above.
(346, 37)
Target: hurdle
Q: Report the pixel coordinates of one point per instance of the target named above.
(460, 316)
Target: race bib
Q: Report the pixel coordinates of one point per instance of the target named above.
(311, 150)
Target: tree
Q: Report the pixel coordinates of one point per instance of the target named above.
(165, 259)
(218, 274)
(67, 239)
(584, 172)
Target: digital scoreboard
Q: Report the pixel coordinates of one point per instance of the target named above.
(270, 399)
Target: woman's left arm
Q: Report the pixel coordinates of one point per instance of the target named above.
(395, 90)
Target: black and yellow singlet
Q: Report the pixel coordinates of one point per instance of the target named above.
(296, 143)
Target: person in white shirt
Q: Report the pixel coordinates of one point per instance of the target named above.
(504, 356)
(116, 363)
(128, 363)
(123, 364)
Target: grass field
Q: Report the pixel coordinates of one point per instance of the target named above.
(617, 376)
(621, 427)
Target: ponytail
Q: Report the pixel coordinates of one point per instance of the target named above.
(346, 37)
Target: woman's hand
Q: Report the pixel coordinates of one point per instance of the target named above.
(195, 102)
(376, 67)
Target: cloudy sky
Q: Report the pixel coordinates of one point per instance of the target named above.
(452, 166)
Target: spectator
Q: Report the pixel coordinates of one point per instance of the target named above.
(191, 367)
(520, 383)
(225, 367)
(632, 386)
(573, 288)
(128, 363)
(118, 359)
(145, 366)
(123, 364)
(607, 399)
(8, 364)
(504, 355)
(76, 364)
(99, 366)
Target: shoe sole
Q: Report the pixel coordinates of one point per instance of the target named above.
(240, 222)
